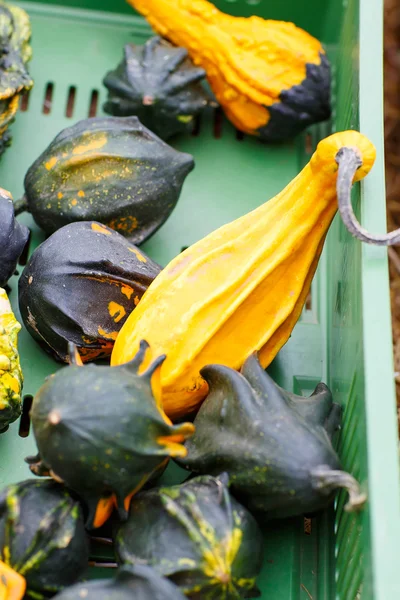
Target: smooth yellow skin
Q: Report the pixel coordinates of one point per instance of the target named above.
(249, 61)
(10, 369)
(242, 288)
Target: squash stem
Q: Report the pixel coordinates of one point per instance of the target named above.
(349, 161)
(21, 206)
(327, 480)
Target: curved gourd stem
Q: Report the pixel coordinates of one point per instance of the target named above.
(327, 480)
(21, 206)
(349, 161)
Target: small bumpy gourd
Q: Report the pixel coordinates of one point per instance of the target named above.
(271, 78)
(13, 238)
(112, 170)
(15, 52)
(206, 543)
(274, 445)
(43, 543)
(103, 432)
(158, 83)
(10, 369)
(242, 288)
(79, 286)
(137, 582)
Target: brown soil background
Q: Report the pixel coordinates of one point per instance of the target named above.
(392, 153)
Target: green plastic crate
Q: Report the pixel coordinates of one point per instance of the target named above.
(343, 336)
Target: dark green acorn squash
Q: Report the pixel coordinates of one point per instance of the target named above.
(275, 445)
(42, 538)
(79, 286)
(112, 170)
(13, 238)
(130, 583)
(103, 432)
(198, 536)
(159, 84)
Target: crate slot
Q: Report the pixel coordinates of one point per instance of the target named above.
(24, 105)
(218, 118)
(197, 126)
(25, 420)
(93, 105)
(48, 98)
(239, 135)
(69, 111)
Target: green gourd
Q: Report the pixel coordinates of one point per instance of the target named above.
(79, 286)
(275, 446)
(130, 583)
(43, 543)
(107, 169)
(158, 83)
(103, 432)
(198, 536)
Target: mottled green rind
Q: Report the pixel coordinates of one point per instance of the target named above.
(130, 583)
(109, 169)
(103, 440)
(198, 536)
(267, 440)
(42, 535)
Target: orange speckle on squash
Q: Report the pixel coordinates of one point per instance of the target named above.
(127, 291)
(125, 224)
(50, 163)
(116, 311)
(100, 229)
(108, 336)
(136, 300)
(138, 255)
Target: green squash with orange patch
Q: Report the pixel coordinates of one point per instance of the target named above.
(198, 536)
(102, 431)
(112, 170)
(80, 286)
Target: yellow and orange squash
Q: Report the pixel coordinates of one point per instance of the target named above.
(242, 288)
(271, 78)
(10, 369)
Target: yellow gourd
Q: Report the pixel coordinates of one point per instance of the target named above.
(10, 369)
(242, 288)
(271, 78)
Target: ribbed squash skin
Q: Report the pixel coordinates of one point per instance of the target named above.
(130, 583)
(42, 536)
(112, 170)
(79, 286)
(268, 440)
(11, 379)
(103, 432)
(13, 238)
(158, 83)
(206, 542)
(271, 78)
(15, 51)
(242, 288)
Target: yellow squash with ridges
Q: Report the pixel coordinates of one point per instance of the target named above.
(242, 288)
(271, 78)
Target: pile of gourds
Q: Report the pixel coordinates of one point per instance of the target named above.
(187, 344)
